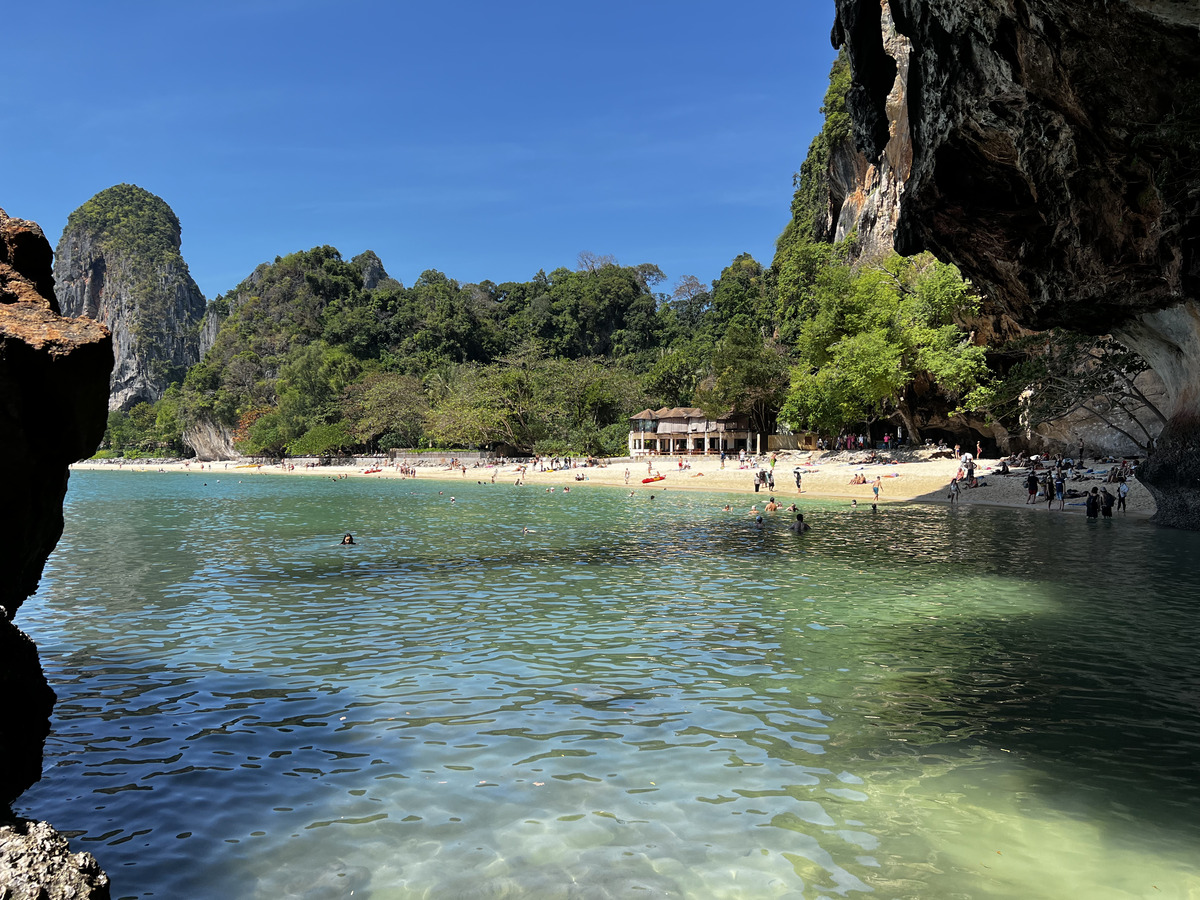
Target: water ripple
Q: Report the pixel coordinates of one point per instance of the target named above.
(629, 700)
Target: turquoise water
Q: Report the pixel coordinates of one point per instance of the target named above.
(641, 698)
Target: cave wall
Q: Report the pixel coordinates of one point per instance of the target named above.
(1055, 159)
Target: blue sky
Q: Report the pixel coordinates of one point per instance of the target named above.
(485, 140)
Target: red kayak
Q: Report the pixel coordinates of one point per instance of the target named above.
(655, 478)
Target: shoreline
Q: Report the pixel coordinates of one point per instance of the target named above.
(912, 478)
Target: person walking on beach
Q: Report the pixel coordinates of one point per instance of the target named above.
(1031, 485)
(627, 474)
(953, 490)
(877, 486)
(796, 472)
(1122, 493)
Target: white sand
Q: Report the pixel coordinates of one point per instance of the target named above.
(913, 478)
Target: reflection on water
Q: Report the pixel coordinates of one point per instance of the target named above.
(638, 698)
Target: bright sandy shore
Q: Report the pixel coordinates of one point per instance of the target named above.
(913, 478)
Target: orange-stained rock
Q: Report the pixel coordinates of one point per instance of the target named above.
(26, 264)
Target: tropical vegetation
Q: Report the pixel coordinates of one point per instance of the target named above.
(317, 355)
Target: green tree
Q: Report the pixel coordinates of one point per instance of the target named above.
(321, 440)
(531, 400)
(675, 375)
(386, 408)
(877, 333)
(690, 300)
(749, 377)
(742, 292)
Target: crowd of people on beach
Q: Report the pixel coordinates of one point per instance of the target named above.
(1049, 480)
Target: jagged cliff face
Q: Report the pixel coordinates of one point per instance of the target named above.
(1054, 160)
(53, 405)
(118, 262)
(865, 193)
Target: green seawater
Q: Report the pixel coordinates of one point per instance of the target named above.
(640, 698)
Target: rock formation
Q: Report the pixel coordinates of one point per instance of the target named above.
(37, 864)
(54, 388)
(865, 194)
(210, 440)
(1054, 160)
(118, 262)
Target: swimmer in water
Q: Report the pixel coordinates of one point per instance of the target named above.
(348, 539)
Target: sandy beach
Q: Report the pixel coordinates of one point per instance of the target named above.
(913, 477)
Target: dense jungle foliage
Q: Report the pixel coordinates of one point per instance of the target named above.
(310, 360)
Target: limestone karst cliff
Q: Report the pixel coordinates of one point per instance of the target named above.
(1054, 160)
(54, 384)
(118, 262)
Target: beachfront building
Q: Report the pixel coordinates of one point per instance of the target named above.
(685, 431)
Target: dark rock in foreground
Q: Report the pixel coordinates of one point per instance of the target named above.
(53, 406)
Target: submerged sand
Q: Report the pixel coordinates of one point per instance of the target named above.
(917, 476)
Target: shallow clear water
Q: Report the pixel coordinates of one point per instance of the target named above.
(641, 698)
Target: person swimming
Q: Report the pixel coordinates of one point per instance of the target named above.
(348, 539)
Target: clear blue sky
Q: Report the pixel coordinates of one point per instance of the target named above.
(487, 140)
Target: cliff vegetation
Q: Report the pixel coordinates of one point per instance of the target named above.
(316, 355)
(119, 262)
